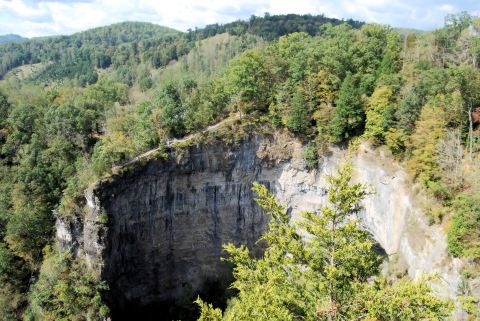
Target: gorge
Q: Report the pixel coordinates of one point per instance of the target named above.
(155, 232)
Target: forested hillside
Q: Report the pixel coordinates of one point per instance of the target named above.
(8, 38)
(101, 97)
(76, 57)
(125, 45)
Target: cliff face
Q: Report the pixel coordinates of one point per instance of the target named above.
(156, 233)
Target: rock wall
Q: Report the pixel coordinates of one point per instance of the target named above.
(168, 220)
(158, 231)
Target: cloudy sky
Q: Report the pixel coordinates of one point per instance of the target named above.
(32, 18)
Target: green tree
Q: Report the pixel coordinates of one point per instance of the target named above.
(325, 276)
(332, 269)
(298, 118)
(266, 292)
(403, 300)
(348, 114)
(13, 273)
(4, 110)
(463, 236)
(380, 111)
(207, 312)
(337, 50)
(391, 62)
(172, 110)
(430, 128)
(371, 46)
(66, 290)
(111, 150)
(294, 51)
(248, 77)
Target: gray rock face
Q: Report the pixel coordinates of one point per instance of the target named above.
(167, 222)
(157, 232)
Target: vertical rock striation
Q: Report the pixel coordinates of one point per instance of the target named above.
(156, 233)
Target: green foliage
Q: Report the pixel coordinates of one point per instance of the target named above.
(271, 27)
(298, 118)
(471, 305)
(248, 78)
(13, 274)
(4, 110)
(430, 128)
(310, 155)
(145, 83)
(404, 300)
(67, 120)
(65, 290)
(21, 123)
(46, 134)
(379, 114)
(348, 113)
(29, 228)
(463, 237)
(325, 276)
(112, 150)
(373, 38)
(396, 140)
(75, 57)
(266, 292)
(172, 110)
(332, 269)
(294, 51)
(207, 312)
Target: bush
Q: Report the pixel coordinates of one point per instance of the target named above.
(310, 155)
(65, 290)
(463, 236)
(112, 150)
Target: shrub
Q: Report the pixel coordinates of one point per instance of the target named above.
(310, 155)
(463, 236)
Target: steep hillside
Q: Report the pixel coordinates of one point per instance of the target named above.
(126, 45)
(77, 56)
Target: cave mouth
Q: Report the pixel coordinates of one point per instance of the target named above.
(214, 291)
(184, 308)
(168, 221)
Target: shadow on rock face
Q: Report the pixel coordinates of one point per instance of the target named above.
(166, 226)
(184, 308)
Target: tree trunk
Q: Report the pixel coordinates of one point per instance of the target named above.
(470, 131)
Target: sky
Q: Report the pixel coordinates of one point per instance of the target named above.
(30, 18)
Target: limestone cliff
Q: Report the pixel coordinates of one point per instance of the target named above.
(156, 232)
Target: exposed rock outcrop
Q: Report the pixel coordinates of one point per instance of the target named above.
(157, 231)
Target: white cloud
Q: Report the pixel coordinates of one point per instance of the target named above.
(47, 17)
(447, 8)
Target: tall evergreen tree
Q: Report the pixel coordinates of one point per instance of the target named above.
(324, 276)
(348, 114)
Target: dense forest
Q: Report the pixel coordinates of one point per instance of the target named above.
(71, 107)
(126, 45)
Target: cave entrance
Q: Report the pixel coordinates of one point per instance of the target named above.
(183, 308)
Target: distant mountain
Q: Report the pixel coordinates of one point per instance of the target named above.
(123, 46)
(11, 37)
(270, 27)
(407, 31)
(76, 56)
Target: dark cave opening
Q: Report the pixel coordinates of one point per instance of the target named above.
(184, 308)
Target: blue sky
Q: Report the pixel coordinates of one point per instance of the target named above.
(47, 17)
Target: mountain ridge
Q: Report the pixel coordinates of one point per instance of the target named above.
(11, 37)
